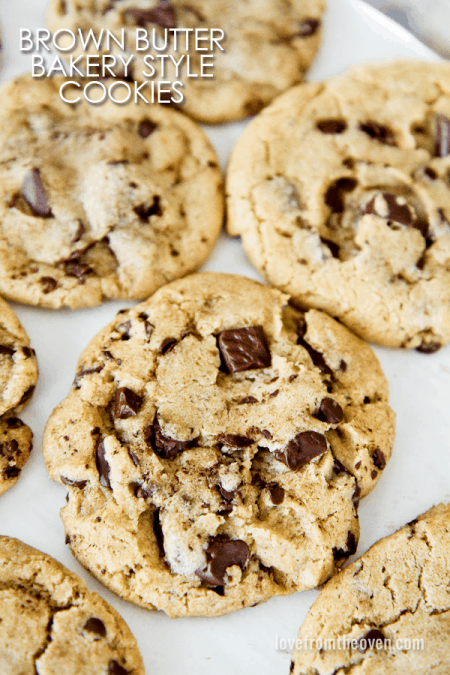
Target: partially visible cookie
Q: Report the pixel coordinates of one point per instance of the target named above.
(100, 202)
(340, 192)
(18, 377)
(50, 623)
(388, 612)
(215, 446)
(269, 45)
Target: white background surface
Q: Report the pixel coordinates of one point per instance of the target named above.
(417, 477)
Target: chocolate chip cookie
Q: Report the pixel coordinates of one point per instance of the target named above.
(215, 445)
(50, 623)
(100, 202)
(18, 377)
(340, 192)
(268, 45)
(388, 612)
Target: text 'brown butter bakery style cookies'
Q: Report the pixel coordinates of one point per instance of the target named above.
(100, 202)
(50, 623)
(18, 377)
(215, 446)
(269, 45)
(388, 612)
(341, 193)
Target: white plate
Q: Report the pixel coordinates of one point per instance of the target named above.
(417, 477)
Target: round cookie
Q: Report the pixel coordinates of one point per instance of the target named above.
(18, 377)
(386, 613)
(100, 202)
(340, 192)
(268, 45)
(52, 624)
(215, 445)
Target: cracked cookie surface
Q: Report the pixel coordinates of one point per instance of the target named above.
(18, 378)
(340, 191)
(50, 623)
(99, 203)
(392, 605)
(268, 47)
(215, 445)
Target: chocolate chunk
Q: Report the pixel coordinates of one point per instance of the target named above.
(159, 534)
(338, 468)
(431, 173)
(342, 366)
(229, 495)
(88, 371)
(302, 449)
(163, 15)
(379, 459)
(8, 351)
(442, 136)
(167, 345)
(114, 668)
(165, 446)
(429, 347)
(73, 483)
(243, 349)
(276, 493)
(334, 248)
(14, 423)
(378, 132)
(9, 449)
(350, 548)
(27, 395)
(356, 496)
(332, 126)
(374, 474)
(11, 472)
(96, 626)
(266, 433)
(73, 268)
(397, 212)
(49, 284)
(308, 27)
(27, 352)
(146, 128)
(334, 197)
(369, 640)
(127, 403)
(316, 357)
(103, 467)
(79, 233)
(144, 212)
(248, 400)
(222, 553)
(330, 411)
(235, 441)
(134, 458)
(34, 194)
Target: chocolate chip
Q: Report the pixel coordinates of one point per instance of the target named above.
(442, 136)
(8, 351)
(229, 495)
(338, 468)
(9, 449)
(146, 128)
(244, 349)
(330, 411)
(350, 548)
(429, 347)
(27, 395)
(356, 496)
(332, 126)
(222, 553)
(117, 162)
(276, 493)
(396, 211)
(302, 449)
(79, 233)
(369, 640)
(34, 194)
(374, 474)
(266, 433)
(73, 483)
(334, 248)
(73, 268)
(124, 329)
(159, 534)
(165, 446)
(114, 668)
(334, 197)
(163, 15)
(342, 366)
(167, 345)
(274, 393)
(27, 352)
(431, 173)
(88, 371)
(378, 132)
(96, 626)
(257, 481)
(316, 357)
(308, 27)
(235, 441)
(127, 403)
(49, 284)
(144, 212)
(379, 459)
(14, 423)
(248, 400)
(11, 472)
(103, 467)
(253, 107)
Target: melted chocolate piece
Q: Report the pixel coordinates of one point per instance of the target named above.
(146, 128)
(222, 553)
(164, 446)
(163, 15)
(399, 213)
(167, 345)
(276, 493)
(316, 357)
(34, 194)
(379, 459)
(302, 449)
(8, 351)
(378, 132)
(235, 441)
(73, 268)
(330, 411)
(73, 483)
(442, 136)
(94, 625)
(332, 126)
(114, 668)
(127, 403)
(351, 546)
(244, 349)
(103, 467)
(49, 284)
(334, 197)
(369, 640)
(308, 27)
(144, 212)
